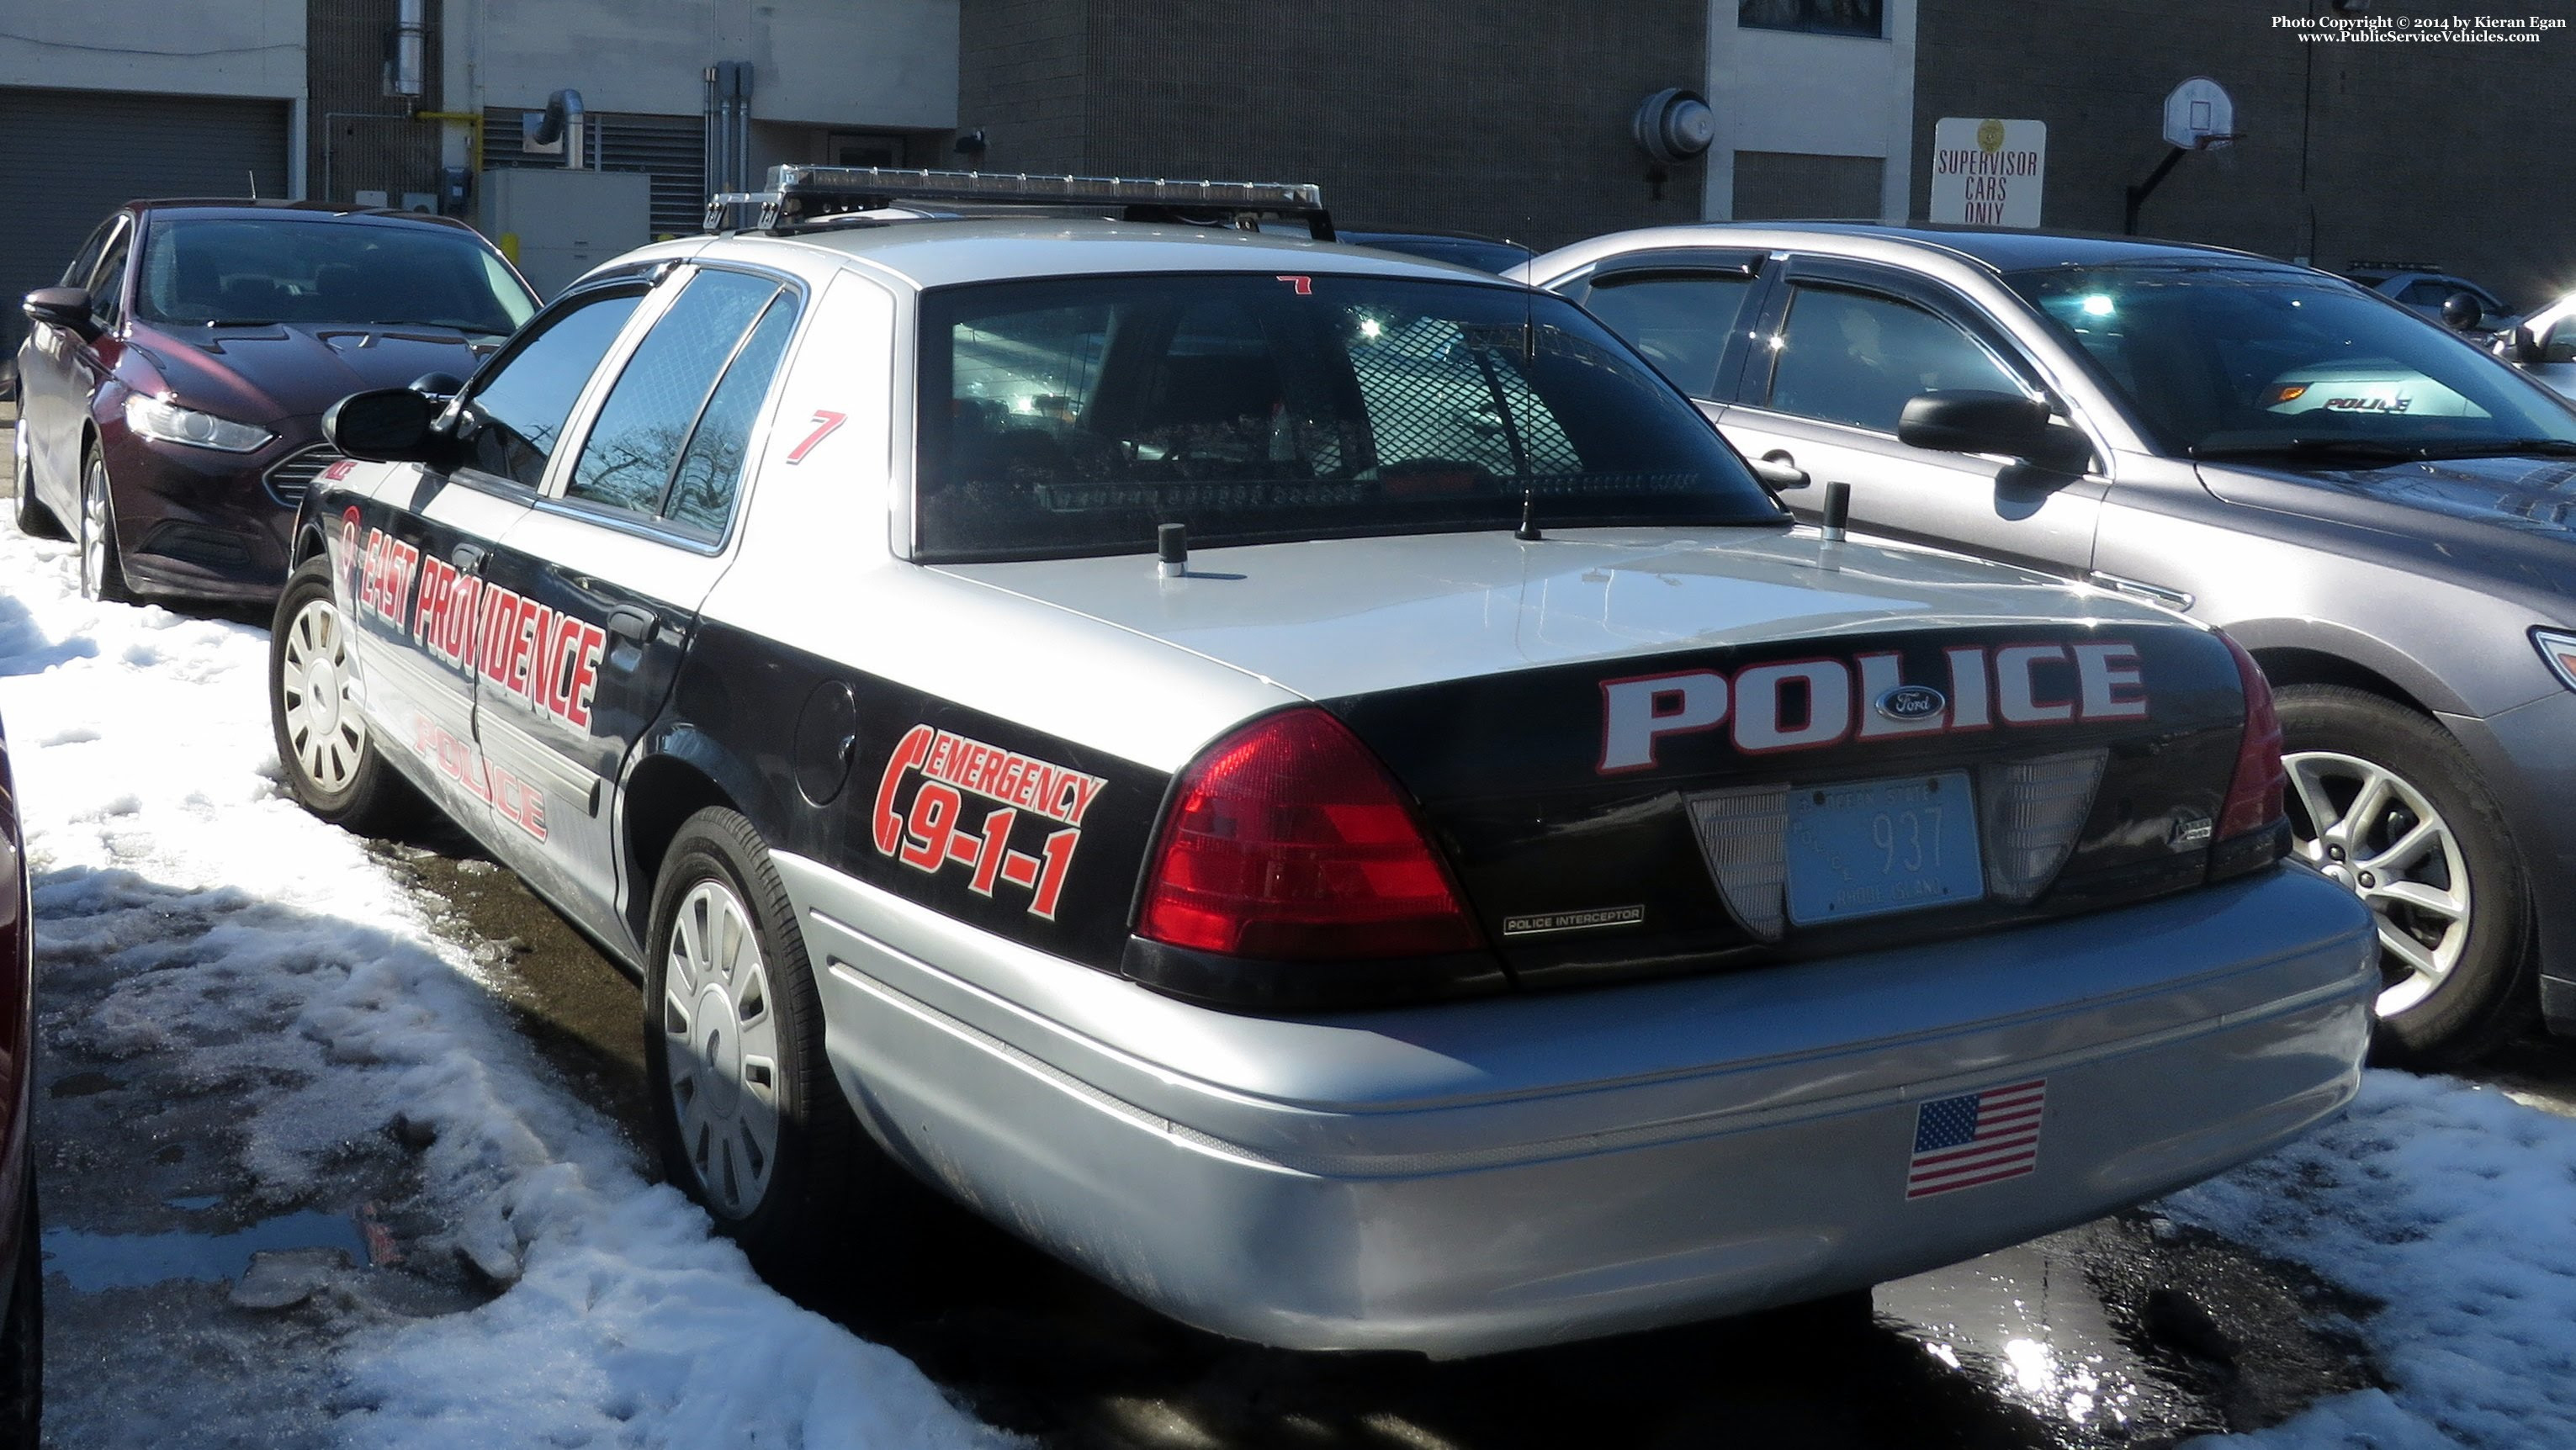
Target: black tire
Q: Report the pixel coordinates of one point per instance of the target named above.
(349, 784)
(22, 1337)
(826, 1182)
(33, 519)
(98, 513)
(2331, 735)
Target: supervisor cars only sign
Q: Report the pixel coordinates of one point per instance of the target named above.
(1988, 172)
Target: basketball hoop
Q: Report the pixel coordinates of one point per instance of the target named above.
(2199, 116)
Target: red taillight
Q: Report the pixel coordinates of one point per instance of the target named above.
(2254, 795)
(1287, 840)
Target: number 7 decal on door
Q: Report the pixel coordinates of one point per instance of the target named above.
(824, 423)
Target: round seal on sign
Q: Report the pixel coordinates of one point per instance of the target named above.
(1912, 702)
(1990, 136)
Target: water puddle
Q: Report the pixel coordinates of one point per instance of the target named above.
(2027, 1321)
(95, 1262)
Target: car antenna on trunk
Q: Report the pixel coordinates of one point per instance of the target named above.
(1528, 532)
(1171, 550)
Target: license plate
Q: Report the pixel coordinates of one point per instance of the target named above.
(1868, 847)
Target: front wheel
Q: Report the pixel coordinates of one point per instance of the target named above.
(332, 762)
(751, 1121)
(2384, 801)
(102, 565)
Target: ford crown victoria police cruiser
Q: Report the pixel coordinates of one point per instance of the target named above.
(1309, 783)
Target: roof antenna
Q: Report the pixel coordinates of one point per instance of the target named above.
(1528, 532)
(253, 174)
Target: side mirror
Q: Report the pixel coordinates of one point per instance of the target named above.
(63, 307)
(389, 425)
(2461, 312)
(2523, 346)
(1971, 420)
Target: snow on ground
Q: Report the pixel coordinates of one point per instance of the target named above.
(2455, 1208)
(271, 956)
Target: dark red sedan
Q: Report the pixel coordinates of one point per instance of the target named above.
(171, 389)
(22, 1281)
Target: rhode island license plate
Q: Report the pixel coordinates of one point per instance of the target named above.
(1867, 847)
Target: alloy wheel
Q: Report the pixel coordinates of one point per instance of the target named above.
(95, 529)
(2368, 828)
(720, 1046)
(323, 726)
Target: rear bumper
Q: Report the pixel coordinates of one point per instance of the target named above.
(1483, 1176)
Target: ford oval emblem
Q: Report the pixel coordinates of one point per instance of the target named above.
(1912, 702)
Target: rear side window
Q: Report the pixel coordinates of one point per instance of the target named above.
(1857, 358)
(710, 472)
(626, 462)
(1074, 415)
(1679, 320)
(516, 414)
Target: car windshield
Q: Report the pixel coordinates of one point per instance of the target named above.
(210, 271)
(2243, 361)
(1074, 415)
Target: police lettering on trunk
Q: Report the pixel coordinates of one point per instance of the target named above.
(1810, 704)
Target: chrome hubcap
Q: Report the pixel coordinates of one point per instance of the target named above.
(2370, 830)
(322, 728)
(720, 1043)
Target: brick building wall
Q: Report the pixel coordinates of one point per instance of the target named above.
(1509, 119)
(2437, 152)
(1021, 78)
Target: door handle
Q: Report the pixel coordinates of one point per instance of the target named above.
(631, 624)
(1779, 470)
(2135, 589)
(466, 557)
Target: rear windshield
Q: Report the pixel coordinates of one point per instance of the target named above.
(217, 270)
(1074, 415)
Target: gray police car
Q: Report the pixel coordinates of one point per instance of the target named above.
(1307, 782)
(2369, 503)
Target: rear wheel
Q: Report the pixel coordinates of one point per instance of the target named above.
(332, 763)
(2384, 801)
(102, 566)
(751, 1121)
(34, 519)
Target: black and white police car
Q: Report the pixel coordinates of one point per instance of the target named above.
(1309, 783)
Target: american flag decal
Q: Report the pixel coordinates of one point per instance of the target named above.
(1980, 1137)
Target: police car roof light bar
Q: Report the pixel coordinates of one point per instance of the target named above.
(803, 195)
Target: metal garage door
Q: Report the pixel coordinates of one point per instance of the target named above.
(67, 158)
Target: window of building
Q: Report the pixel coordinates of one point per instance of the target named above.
(1824, 17)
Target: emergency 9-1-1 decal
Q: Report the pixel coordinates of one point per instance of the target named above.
(940, 827)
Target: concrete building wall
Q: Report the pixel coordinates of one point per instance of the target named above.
(2427, 152)
(1510, 119)
(889, 63)
(236, 48)
(1782, 94)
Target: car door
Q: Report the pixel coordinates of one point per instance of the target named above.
(594, 594)
(1843, 346)
(48, 404)
(75, 365)
(1689, 312)
(412, 550)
